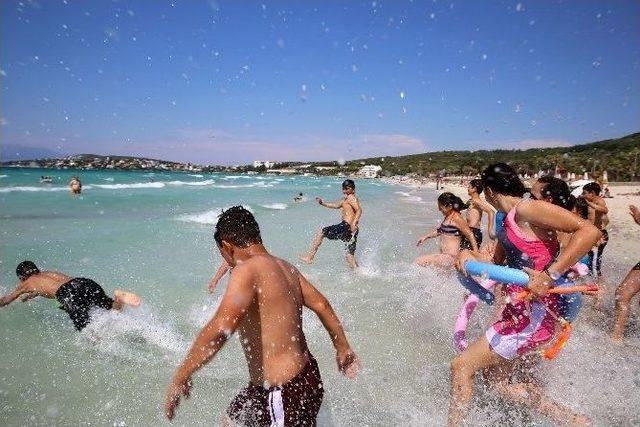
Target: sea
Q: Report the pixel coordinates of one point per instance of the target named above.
(152, 233)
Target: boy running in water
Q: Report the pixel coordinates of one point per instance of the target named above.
(597, 211)
(347, 230)
(264, 300)
(77, 296)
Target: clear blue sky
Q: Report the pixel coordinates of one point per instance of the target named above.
(231, 81)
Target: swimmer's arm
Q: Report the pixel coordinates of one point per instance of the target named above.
(317, 303)
(491, 226)
(464, 228)
(214, 335)
(336, 205)
(355, 204)
(599, 206)
(10, 297)
(584, 235)
(222, 270)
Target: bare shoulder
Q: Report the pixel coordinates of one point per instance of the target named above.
(353, 199)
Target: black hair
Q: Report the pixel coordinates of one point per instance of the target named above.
(503, 179)
(348, 183)
(592, 187)
(477, 184)
(582, 208)
(237, 226)
(26, 269)
(451, 200)
(557, 190)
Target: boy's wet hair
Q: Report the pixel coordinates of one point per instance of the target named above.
(237, 226)
(503, 179)
(592, 187)
(477, 184)
(348, 183)
(557, 190)
(451, 200)
(26, 269)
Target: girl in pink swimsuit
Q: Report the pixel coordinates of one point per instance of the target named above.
(528, 241)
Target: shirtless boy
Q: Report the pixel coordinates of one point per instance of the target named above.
(77, 296)
(347, 230)
(264, 300)
(597, 212)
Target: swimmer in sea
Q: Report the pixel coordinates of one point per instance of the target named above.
(75, 185)
(264, 301)
(77, 296)
(347, 230)
(453, 231)
(629, 287)
(526, 241)
(299, 198)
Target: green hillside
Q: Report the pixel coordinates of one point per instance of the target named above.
(619, 157)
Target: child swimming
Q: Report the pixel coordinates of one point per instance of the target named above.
(264, 299)
(527, 241)
(77, 296)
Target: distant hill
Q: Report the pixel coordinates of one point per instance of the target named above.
(619, 157)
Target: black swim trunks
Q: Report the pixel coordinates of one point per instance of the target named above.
(342, 232)
(295, 403)
(78, 296)
(466, 244)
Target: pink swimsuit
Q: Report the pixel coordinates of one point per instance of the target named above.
(524, 325)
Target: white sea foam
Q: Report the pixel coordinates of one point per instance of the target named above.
(132, 185)
(197, 175)
(111, 331)
(408, 197)
(108, 179)
(31, 189)
(193, 183)
(206, 218)
(3, 176)
(275, 206)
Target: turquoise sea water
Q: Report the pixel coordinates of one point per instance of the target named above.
(152, 233)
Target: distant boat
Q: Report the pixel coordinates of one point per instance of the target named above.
(46, 180)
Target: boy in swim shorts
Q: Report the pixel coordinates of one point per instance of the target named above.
(77, 296)
(347, 230)
(264, 299)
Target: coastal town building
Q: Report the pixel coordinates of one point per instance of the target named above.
(266, 163)
(370, 171)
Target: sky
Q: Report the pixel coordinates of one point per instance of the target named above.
(229, 82)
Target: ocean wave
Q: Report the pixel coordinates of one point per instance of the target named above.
(31, 189)
(3, 176)
(108, 179)
(132, 185)
(408, 197)
(193, 183)
(276, 206)
(207, 218)
(197, 175)
(256, 184)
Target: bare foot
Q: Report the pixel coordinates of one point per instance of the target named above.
(306, 258)
(128, 298)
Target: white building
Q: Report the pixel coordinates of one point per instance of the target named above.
(267, 164)
(370, 171)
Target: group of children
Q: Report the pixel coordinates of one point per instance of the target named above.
(543, 231)
(537, 232)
